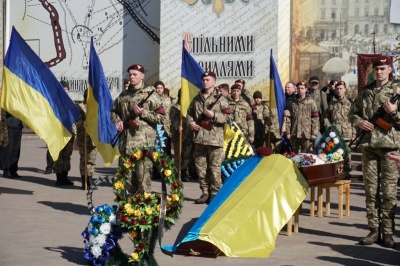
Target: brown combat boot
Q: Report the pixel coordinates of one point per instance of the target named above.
(371, 238)
(388, 241)
(203, 199)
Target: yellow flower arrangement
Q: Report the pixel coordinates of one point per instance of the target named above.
(140, 214)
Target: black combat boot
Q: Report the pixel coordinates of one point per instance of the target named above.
(65, 180)
(59, 181)
(203, 199)
(371, 238)
(388, 241)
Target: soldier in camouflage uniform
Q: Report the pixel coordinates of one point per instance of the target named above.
(186, 155)
(338, 114)
(241, 113)
(224, 90)
(146, 117)
(272, 132)
(320, 99)
(379, 172)
(86, 146)
(63, 164)
(261, 119)
(245, 93)
(303, 121)
(207, 125)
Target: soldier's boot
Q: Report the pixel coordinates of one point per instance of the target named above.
(211, 198)
(371, 238)
(203, 199)
(65, 179)
(59, 181)
(388, 241)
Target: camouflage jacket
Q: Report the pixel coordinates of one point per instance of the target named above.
(247, 97)
(303, 119)
(166, 102)
(320, 100)
(122, 110)
(364, 107)
(80, 129)
(274, 128)
(260, 117)
(215, 136)
(242, 115)
(175, 116)
(338, 114)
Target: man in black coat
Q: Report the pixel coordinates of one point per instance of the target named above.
(13, 149)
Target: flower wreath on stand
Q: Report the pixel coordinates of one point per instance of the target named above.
(331, 147)
(144, 217)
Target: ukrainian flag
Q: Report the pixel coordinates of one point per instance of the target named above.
(32, 93)
(191, 81)
(98, 116)
(277, 97)
(251, 208)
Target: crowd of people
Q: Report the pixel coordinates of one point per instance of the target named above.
(197, 139)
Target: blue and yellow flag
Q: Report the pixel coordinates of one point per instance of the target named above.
(98, 116)
(277, 97)
(191, 81)
(32, 93)
(272, 186)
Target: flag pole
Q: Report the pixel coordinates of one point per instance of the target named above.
(86, 174)
(180, 149)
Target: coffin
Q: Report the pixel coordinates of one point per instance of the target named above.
(323, 173)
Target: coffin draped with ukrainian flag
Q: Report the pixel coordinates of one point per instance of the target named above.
(258, 199)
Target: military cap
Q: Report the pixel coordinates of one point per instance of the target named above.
(241, 81)
(209, 74)
(301, 83)
(136, 67)
(313, 79)
(340, 83)
(235, 87)
(223, 86)
(382, 60)
(159, 83)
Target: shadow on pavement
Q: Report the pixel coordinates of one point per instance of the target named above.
(361, 255)
(64, 206)
(7, 190)
(72, 254)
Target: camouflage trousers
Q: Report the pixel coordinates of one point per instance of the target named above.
(208, 160)
(301, 145)
(140, 179)
(347, 162)
(90, 160)
(63, 163)
(380, 173)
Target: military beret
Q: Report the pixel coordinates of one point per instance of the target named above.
(235, 87)
(264, 151)
(340, 83)
(301, 83)
(382, 60)
(240, 81)
(209, 74)
(223, 86)
(136, 67)
(313, 79)
(257, 94)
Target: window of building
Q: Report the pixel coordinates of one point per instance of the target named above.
(376, 11)
(356, 12)
(376, 28)
(366, 29)
(323, 14)
(356, 29)
(366, 12)
(385, 29)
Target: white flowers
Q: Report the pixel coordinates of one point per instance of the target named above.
(105, 228)
(335, 140)
(332, 134)
(340, 151)
(96, 251)
(113, 218)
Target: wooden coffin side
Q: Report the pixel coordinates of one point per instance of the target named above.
(323, 173)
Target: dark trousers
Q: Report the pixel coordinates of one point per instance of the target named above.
(13, 150)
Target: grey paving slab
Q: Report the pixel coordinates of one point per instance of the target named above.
(41, 223)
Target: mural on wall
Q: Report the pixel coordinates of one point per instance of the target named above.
(231, 38)
(329, 34)
(124, 31)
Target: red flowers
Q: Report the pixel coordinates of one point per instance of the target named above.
(163, 163)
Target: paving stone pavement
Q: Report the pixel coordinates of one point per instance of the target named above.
(41, 224)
